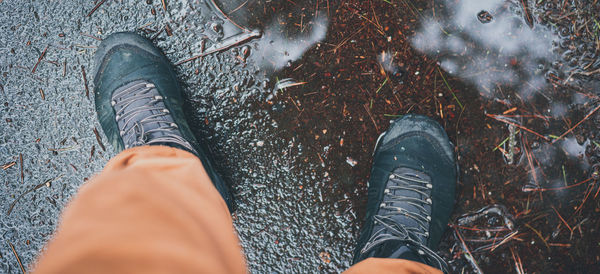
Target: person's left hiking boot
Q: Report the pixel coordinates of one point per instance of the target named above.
(140, 102)
(410, 193)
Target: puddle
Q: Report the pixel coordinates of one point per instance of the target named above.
(535, 74)
(527, 70)
(278, 49)
(501, 54)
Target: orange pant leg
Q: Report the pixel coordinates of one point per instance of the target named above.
(152, 210)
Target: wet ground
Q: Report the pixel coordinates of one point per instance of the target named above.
(291, 96)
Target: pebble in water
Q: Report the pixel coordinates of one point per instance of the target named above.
(484, 17)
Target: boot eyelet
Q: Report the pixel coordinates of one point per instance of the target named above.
(392, 176)
(174, 125)
(382, 205)
(386, 191)
(430, 186)
(158, 97)
(113, 103)
(165, 110)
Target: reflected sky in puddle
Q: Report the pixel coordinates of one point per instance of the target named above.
(551, 162)
(261, 42)
(490, 45)
(287, 30)
(504, 52)
(278, 49)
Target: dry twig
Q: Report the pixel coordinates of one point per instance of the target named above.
(16, 256)
(39, 59)
(96, 7)
(85, 82)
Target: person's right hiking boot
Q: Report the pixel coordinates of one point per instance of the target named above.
(140, 102)
(410, 193)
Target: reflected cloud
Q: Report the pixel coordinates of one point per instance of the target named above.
(513, 63)
(503, 51)
(277, 50)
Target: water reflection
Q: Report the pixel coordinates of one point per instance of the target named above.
(551, 162)
(278, 49)
(389, 67)
(517, 64)
(501, 52)
(288, 29)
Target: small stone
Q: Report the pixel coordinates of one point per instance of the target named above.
(325, 257)
(484, 17)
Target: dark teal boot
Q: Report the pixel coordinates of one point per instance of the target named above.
(140, 102)
(410, 193)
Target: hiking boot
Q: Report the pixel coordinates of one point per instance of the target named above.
(140, 102)
(410, 193)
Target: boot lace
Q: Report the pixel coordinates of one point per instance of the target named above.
(143, 118)
(387, 220)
